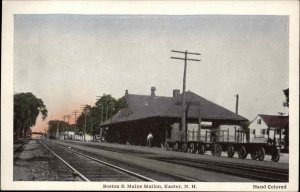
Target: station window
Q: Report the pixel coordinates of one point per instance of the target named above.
(263, 131)
(253, 132)
(259, 121)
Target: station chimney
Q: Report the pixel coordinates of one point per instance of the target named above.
(176, 92)
(153, 89)
(237, 104)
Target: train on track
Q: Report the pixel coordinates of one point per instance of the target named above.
(218, 141)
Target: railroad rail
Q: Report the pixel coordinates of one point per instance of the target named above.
(76, 173)
(257, 173)
(127, 151)
(87, 168)
(151, 172)
(19, 146)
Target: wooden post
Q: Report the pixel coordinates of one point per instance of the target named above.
(222, 135)
(101, 133)
(193, 135)
(234, 134)
(242, 136)
(199, 123)
(166, 135)
(280, 136)
(280, 128)
(228, 135)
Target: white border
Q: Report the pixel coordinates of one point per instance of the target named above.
(290, 8)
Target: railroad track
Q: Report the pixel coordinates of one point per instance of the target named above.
(127, 151)
(257, 173)
(158, 174)
(87, 168)
(18, 147)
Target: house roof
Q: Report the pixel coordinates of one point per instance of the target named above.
(286, 92)
(275, 121)
(146, 106)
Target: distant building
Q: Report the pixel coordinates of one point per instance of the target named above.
(36, 135)
(265, 127)
(161, 116)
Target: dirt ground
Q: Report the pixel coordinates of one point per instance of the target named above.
(34, 163)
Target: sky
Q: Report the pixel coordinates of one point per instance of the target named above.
(69, 60)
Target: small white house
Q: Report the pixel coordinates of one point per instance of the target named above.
(265, 127)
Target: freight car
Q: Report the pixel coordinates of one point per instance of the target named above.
(218, 141)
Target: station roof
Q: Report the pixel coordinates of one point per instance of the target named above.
(276, 121)
(146, 106)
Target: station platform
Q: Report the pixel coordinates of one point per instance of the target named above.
(283, 163)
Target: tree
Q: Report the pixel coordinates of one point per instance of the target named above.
(53, 125)
(105, 107)
(27, 107)
(286, 93)
(110, 105)
(82, 117)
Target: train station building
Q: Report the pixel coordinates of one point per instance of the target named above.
(161, 115)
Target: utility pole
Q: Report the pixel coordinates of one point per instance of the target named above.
(237, 104)
(101, 118)
(84, 108)
(75, 121)
(101, 105)
(64, 126)
(183, 117)
(106, 114)
(57, 128)
(68, 117)
(111, 111)
(102, 113)
(199, 122)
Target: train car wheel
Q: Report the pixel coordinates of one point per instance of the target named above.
(175, 147)
(261, 154)
(216, 150)
(213, 149)
(230, 151)
(201, 149)
(242, 152)
(193, 147)
(184, 147)
(275, 156)
(167, 146)
(254, 154)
